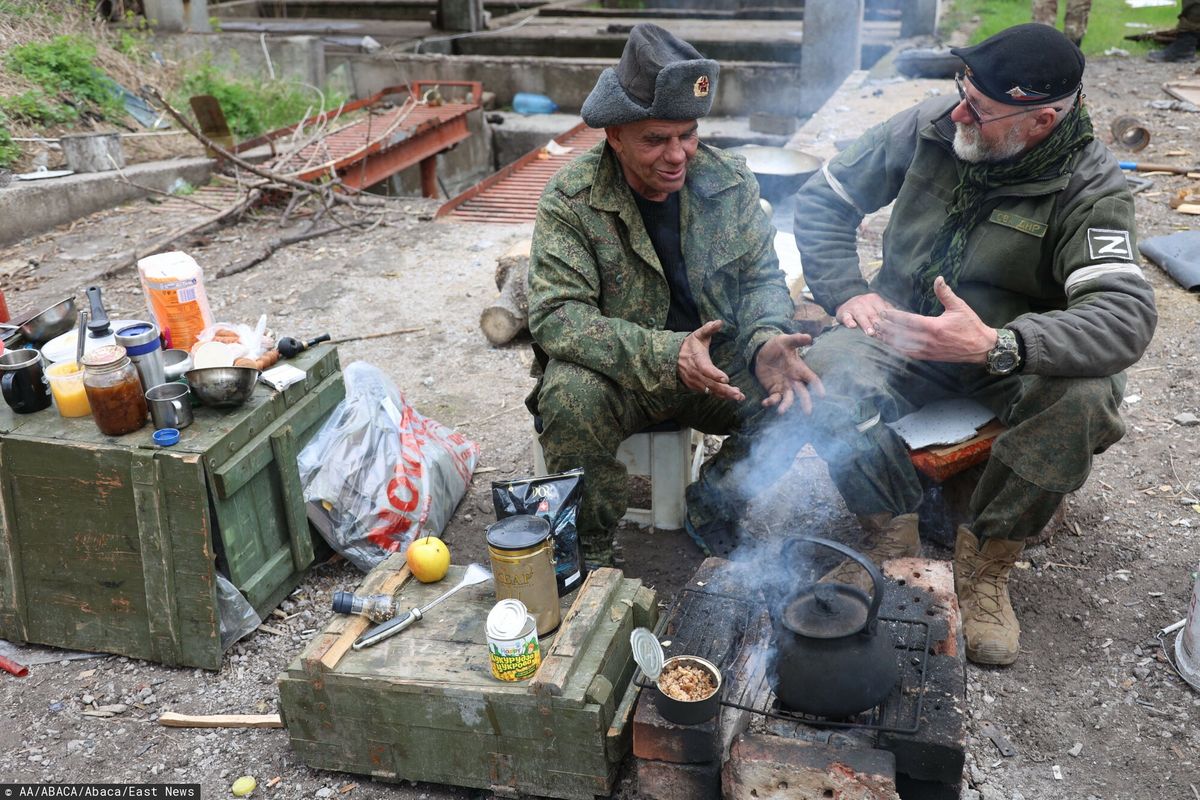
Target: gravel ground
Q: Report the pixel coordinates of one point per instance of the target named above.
(1092, 697)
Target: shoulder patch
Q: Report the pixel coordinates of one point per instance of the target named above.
(1104, 243)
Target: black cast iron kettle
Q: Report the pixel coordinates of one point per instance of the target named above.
(830, 659)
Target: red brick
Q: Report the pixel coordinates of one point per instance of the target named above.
(936, 577)
(777, 768)
(657, 739)
(660, 780)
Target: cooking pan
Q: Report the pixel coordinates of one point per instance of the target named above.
(41, 328)
(780, 170)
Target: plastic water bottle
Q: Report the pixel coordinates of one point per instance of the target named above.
(529, 103)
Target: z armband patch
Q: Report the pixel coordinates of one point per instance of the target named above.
(1103, 243)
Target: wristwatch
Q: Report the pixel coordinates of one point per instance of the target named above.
(1005, 356)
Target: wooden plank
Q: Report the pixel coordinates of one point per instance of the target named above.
(12, 585)
(158, 579)
(187, 518)
(171, 719)
(323, 654)
(283, 446)
(578, 627)
(233, 473)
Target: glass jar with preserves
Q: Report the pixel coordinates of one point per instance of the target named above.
(114, 391)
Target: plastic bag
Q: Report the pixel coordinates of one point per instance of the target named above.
(556, 499)
(236, 616)
(384, 472)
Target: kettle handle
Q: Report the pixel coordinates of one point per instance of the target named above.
(876, 576)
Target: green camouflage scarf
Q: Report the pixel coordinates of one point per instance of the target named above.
(1051, 158)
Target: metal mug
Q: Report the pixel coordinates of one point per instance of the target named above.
(170, 406)
(23, 381)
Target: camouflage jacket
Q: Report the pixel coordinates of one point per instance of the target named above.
(598, 296)
(1053, 259)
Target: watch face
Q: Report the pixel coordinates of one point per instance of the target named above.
(1004, 362)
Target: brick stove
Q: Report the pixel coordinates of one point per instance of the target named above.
(911, 746)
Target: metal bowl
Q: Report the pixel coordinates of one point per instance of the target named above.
(780, 170)
(55, 320)
(222, 387)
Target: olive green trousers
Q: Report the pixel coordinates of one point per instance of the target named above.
(1054, 426)
(586, 416)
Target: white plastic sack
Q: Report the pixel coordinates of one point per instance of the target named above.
(384, 472)
(236, 617)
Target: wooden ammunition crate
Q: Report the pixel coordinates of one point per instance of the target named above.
(424, 706)
(111, 544)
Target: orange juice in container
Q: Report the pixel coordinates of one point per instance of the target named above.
(174, 287)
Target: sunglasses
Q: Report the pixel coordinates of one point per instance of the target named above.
(974, 112)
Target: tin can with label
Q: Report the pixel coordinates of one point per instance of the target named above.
(521, 553)
(513, 648)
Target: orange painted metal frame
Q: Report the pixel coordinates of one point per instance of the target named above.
(425, 131)
(512, 193)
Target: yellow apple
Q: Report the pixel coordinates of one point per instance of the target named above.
(428, 559)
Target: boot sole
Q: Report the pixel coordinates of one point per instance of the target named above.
(991, 656)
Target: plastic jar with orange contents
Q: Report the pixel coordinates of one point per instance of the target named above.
(114, 391)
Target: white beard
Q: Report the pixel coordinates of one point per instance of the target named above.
(969, 145)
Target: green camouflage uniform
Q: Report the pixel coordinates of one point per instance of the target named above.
(598, 301)
(1053, 259)
(1189, 17)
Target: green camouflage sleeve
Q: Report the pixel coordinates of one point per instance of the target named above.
(766, 308)
(565, 317)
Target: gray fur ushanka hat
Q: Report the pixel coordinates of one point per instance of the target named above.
(659, 76)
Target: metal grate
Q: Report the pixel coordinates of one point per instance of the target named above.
(900, 712)
(714, 626)
(512, 194)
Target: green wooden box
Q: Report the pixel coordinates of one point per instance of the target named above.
(424, 706)
(111, 544)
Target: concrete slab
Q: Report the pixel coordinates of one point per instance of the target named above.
(856, 106)
(27, 209)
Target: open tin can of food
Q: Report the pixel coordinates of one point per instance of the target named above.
(688, 688)
(512, 638)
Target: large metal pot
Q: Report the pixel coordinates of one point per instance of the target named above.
(42, 327)
(830, 659)
(780, 170)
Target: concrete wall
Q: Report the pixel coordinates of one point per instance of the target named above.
(295, 58)
(33, 207)
(743, 88)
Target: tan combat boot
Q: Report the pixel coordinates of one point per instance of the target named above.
(887, 537)
(981, 582)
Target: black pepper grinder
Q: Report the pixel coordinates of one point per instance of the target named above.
(97, 325)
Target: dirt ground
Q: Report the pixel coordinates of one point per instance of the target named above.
(1092, 698)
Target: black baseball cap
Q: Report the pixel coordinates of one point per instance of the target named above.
(1030, 64)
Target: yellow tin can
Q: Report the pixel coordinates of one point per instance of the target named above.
(513, 648)
(522, 556)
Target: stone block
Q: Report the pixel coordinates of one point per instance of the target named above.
(937, 751)
(936, 578)
(658, 739)
(777, 768)
(660, 780)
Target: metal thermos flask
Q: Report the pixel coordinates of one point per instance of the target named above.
(522, 555)
(144, 349)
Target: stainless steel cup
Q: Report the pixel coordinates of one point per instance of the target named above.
(170, 406)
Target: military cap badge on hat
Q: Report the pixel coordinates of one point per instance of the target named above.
(659, 76)
(1025, 64)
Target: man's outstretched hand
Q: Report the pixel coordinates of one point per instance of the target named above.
(696, 369)
(958, 335)
(862, 311)
(784, 374)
